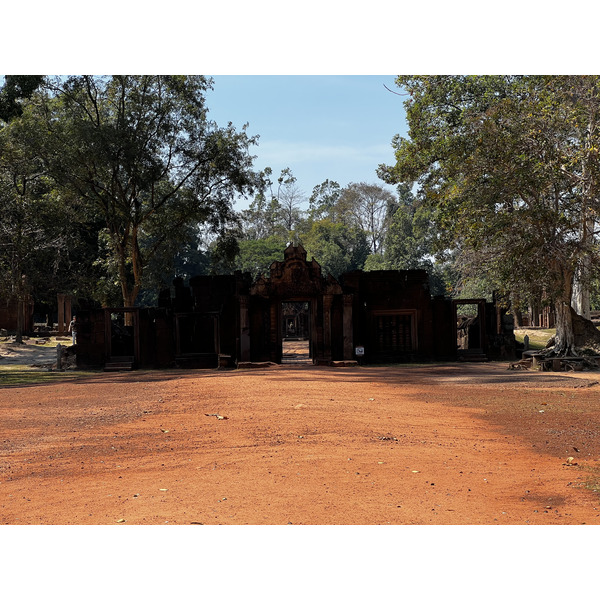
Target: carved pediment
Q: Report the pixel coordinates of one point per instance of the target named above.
(294, 253)
(295, 276)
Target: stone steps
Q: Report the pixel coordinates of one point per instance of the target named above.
(473, 357)
(119, 363)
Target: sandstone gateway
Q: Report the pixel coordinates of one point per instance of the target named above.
(230, 320)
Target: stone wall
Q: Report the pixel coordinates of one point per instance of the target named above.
(389, 315)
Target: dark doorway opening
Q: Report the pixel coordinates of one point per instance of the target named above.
(469, 316)
(197, 340)
(196, 334)
(122, 338)
(295, 332)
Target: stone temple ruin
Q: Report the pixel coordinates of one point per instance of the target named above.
(230, 320)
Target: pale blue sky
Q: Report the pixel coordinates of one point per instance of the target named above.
(322, 127)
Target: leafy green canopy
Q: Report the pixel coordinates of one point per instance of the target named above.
(509, 167)
(17, 88)
(142, 152)
(40, 241)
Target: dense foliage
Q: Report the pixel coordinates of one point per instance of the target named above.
(126, 173)
(509, 168)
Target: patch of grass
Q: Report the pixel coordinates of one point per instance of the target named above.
(538, 338)
(51, 342)
(19, 376)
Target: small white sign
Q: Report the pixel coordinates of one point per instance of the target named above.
(359, 350)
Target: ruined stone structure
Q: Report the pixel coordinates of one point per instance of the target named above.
(65, 312)
(12, 310)
(370, 317)
(11, 307)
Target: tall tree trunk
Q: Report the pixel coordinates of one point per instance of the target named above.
(573, 332)
(129, 302)
(129, 294)
(581, 286)
(565, 335)
(518, 316)
(515, 302)
(20, 323)
(581, 291)
(129, 291)
(581, 283)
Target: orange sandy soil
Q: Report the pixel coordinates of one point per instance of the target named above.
(297, 444)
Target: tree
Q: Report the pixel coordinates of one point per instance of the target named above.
(409, 239)
(19, 187)
(367, 207)
(275, 211)
(290, 198)
(337, 247)
(324, 199)
(20, 230)
(262, 219)
(257, 255)
(509, 167)
(409, 242)
(142, 152)
(37, 237)
(17, 88)
(184, 255)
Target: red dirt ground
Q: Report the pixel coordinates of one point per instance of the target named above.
(437, 444)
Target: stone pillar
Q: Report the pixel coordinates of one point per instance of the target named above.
(315, 331)
(61, 313)
(327, 302)
(64, 313)
(274, 338)
(347, 327)
(244, 329)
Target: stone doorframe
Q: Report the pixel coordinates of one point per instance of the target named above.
(320, 343)
(134, 315)
(480, 303)
(296, 279)
(276, 336)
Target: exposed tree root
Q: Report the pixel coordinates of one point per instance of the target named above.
(586, 341)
